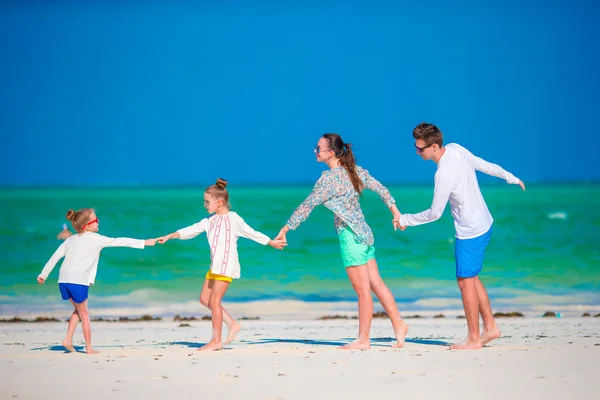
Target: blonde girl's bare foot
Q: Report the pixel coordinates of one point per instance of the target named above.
(211, 346)
(467, 345)
(91, 351)
(233, 330)
(488, 336)
(356, 346)
(68, 345)
(400, 337)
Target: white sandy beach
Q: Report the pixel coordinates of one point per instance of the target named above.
(536, 358)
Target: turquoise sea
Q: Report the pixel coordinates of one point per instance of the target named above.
(544, 254)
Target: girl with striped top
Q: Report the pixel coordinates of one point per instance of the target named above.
(223, 228)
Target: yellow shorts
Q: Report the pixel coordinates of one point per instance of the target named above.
(217, 277)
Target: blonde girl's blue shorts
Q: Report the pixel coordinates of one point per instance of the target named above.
(79, 293)
(354, 253)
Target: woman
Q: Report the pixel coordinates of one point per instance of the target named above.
(339, 190)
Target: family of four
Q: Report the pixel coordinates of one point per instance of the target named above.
(338, 189)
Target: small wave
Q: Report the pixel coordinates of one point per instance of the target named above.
(557, 215)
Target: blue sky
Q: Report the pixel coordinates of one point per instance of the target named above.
(110, 93)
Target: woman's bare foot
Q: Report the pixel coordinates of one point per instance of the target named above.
(400, 336)
(488, 336)
(233, 330)
(467, 345)
(356, 346)
(91, 351)
(211, 346)
(67, 344)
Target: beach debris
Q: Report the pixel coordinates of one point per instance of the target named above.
(338, 362)
(439, 316)
(177, 318)
(512, 314)
(249, 318)
(37, 319)
(333, 317)
(280, 374)
(145, 317)
(207, 318)
(549, 314)
(586, 315)
(184, 325)
(380, 314)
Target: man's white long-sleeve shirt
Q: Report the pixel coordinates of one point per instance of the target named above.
(222, 232)
(456, 180)
(82, 252)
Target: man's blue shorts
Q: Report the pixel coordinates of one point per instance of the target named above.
(79, 293)
(469, 255)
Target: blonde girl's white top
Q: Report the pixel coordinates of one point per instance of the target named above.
(222, 233)
(81, 253)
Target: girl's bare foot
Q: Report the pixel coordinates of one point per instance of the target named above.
(211, 346)
(233, 330)
(467, 345)
(400, 336)
(67, 344)
(91, 351)
(488, 336)
(356, 346)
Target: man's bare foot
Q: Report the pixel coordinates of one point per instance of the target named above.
(488, 336)
(356, 346)
(68, 345)
(211, 346)
(467, 345)
(233, 330)
(400, 336)
(91, 351)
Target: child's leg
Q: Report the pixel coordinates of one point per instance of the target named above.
(68, 342)
(233, 327)
(82, 309)
(359, 276)
(388, 302)
(218, 291)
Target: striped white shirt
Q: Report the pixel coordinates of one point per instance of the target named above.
(222, 233)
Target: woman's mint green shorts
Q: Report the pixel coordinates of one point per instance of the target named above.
(354, 253)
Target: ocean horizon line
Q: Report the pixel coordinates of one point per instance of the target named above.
(268, 185)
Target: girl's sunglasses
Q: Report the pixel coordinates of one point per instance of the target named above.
(89, 223)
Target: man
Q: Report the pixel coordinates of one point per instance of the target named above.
(455, 180)
(65, 233)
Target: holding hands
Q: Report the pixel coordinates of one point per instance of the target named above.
(166, 238)
(277, 244)
(282, 233)
(396, 219)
